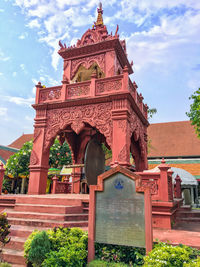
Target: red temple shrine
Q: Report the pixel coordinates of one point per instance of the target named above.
(96, 98)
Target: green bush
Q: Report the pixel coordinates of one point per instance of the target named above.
(167, 255)
(6, 185)
(115, 253)
(27, 244)
(99, 263)
(74, 255)
(193, 263)
(5, 264)
(4, 230)
(68, 247)
(40, 246)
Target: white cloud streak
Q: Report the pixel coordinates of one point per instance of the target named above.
(3, 111)
(19, 100)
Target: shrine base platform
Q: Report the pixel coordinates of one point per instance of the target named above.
(29, 212)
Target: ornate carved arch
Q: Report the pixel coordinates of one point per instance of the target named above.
(87, 62)
(97, 115)
(89, 37)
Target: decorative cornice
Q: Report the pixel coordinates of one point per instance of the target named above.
(96, 99)
(105, 46)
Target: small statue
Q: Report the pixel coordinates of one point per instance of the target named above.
(61, 45)
(117, 29)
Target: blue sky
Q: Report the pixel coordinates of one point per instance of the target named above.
(163, 40)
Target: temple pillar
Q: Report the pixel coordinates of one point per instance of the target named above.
(164, 186)
(39, 161)
(23, 186)
(121, 138)
(192, 195)
(76, 178)
(2, 171)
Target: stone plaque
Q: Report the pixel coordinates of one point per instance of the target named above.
(94, 161)
(120, 218)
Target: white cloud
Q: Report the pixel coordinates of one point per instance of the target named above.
(165, 44)
(1, 74)
(2, 10)
(3, 57)
(18, 100)
(60, 19)
(22, 36)
(14, 74)
(22, 66)
(3, 111)
(33, 24)
(34, 90)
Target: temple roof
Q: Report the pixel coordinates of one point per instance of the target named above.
(186, 177)
(6, 152)
(173, 139)
(18, 143)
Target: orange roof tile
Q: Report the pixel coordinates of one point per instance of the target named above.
(173, 139)
(18, 143)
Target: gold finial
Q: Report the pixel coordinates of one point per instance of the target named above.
(99, 17)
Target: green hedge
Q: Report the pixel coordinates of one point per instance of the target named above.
(100, 263)
(59, 247)
(116, 253)
(167, 255)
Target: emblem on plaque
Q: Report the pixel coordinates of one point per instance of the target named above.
(119, 184)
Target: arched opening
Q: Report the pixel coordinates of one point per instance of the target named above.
(77, 143)
(84, 74)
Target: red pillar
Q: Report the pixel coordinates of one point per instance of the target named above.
(55, 180)
(164, 187)
(2, 171)
(76, 176)
(39, 161)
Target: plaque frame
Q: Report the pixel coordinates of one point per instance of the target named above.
(139, 188)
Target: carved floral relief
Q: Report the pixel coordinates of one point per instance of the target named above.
(34, 159)
(108, 86)
(97, 115)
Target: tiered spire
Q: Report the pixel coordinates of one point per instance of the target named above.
(99, 21)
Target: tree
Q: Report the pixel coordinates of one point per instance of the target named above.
(151, 112)
(18, 164)
(194, 113)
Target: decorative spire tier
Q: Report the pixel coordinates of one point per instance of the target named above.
(99, 21)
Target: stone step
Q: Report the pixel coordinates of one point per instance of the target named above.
(188, 219)
(13, 256)
(48, 208)
(24, 231)
(16, 243)
(67, 200)
(48, 216)
(7, 201)
(86, 210)
(185, 208)
(6, 205)
(46, 223)
(186, 214)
